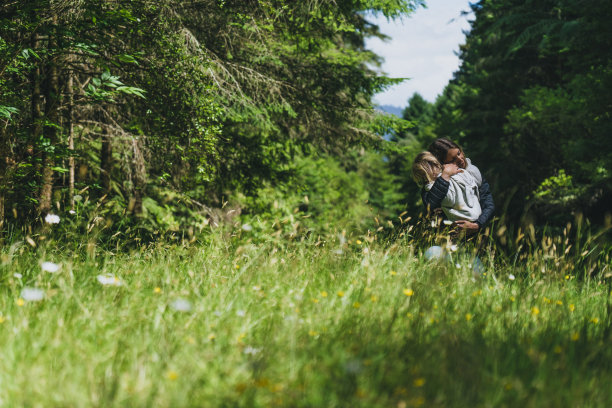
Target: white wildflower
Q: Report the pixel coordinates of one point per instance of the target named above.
(32, 294)
(447, 222)
(50, 267)
(52, 219)
(452, 248)
(181, 305)
(17, 275)
(433, 224)
(240, 313)
(246, 227)
(511, 277)
(251, 350)
(72, 212)
(109, 280)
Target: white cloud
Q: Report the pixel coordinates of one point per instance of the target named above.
(421, 48)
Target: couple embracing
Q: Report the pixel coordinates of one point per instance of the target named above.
(449, 180)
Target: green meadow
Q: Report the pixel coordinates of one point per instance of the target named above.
(237, 320)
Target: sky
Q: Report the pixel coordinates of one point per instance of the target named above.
(422, 47)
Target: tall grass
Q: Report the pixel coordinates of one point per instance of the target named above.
(324, 321)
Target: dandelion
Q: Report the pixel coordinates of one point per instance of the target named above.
(211, 337)
(356, 305)
(52, 219)
(374, 298)
(2, 319)
(181, 305)
(393, 273)
(172, 375)
(157, 290)
(314, 300)
(358, 242)
(575, 336)
(511, 277)
(32, 295)
(535, 311)
(20, 302)
(109, 280)
(595, 320)
(419, 382)
(571, 307)
(408, 292)
(567, 277)
(323, 294)
(312, 333)
(468, 316)
(50, 267)
(340, 293)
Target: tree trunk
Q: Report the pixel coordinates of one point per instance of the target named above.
(52, 104)
(106, 160)
(70, 140)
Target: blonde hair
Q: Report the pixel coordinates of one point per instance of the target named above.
(425, 168)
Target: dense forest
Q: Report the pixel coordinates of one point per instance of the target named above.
(156, 115)
(531, 105)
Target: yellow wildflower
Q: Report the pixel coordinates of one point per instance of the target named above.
(20, 302)
(419, 382)
(157, 290)
(393, 273)
(323, 294)
(571, 307)
(408, 292)
(575, 336)
(172, 375)
(340, 293)
(356, 305)
(535, 311)
(468, 316)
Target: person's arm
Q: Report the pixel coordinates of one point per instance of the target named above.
(486, 204)
(433, 197)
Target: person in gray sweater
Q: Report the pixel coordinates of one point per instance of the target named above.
(462, 200)
(454, 162)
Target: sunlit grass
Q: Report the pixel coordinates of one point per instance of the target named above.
(342, 322)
